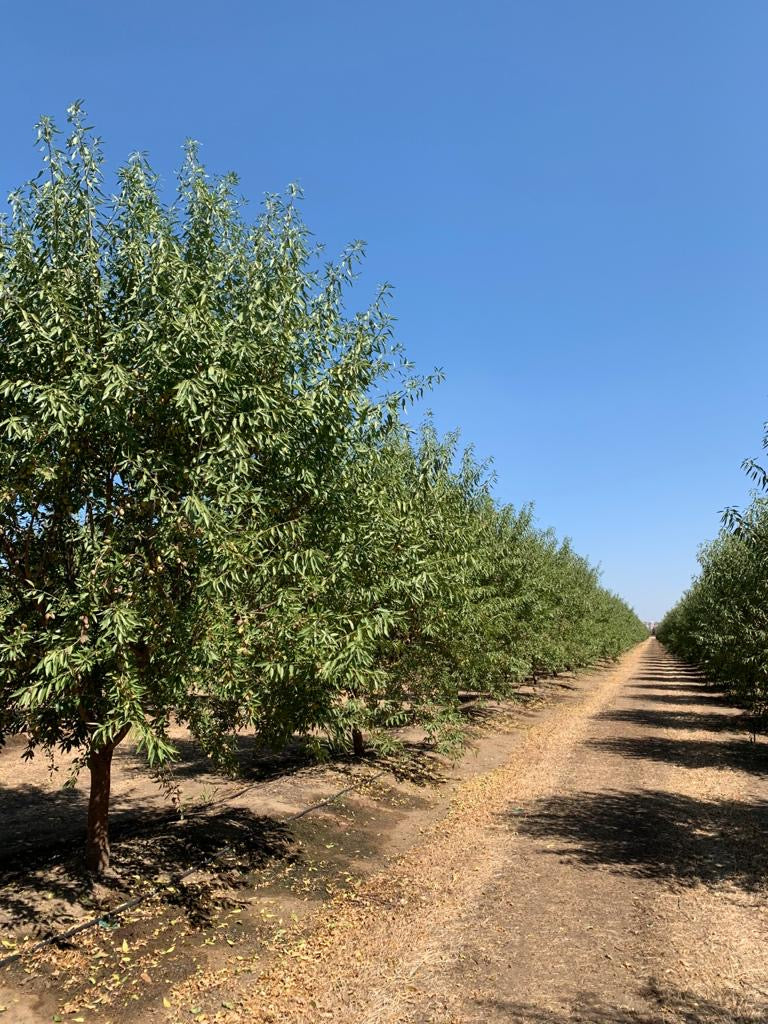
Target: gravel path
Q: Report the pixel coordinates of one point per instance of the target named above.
(611, 871)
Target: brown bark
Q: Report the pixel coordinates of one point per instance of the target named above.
(358, 743)
(97, 843)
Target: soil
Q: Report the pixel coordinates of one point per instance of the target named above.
(254, 871)
(600, 858)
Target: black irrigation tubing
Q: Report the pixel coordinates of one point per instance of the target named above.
(121, 908)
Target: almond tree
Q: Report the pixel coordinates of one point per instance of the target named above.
(210, 508)
(184, 412)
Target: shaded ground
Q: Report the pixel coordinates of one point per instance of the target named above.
(612, 871)
(157, 835)
(232, 874)
(600, 860)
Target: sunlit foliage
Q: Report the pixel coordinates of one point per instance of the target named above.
(211, 510)
(721, 623)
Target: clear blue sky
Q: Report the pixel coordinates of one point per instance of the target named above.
(570, 198)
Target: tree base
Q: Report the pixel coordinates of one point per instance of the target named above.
(358, 743)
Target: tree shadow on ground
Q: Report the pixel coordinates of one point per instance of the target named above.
(742, 755)
(487, 712)
(675, 1006)
(670, 674)
(672, 679)
(749, 719)
(44, 824)
(681, 697)
(656, 834)
(43, 883)
(415, 763)
(652, 718)
(55, 889)
(41, 819)
(252, 761)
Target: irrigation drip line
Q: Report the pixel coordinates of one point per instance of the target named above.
(135, 901)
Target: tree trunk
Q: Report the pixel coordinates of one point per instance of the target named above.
(358, 743)
(97, 851)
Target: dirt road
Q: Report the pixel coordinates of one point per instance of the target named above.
(613, 870)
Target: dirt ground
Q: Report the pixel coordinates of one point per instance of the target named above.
(600, 859)
(254, 872)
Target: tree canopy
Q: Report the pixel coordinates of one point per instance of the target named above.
(721, 622)
(211, 507)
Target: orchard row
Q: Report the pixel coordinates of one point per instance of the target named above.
(721, 623)
(212, 508)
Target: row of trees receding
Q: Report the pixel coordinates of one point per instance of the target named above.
(211, 508)
(721, 622)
